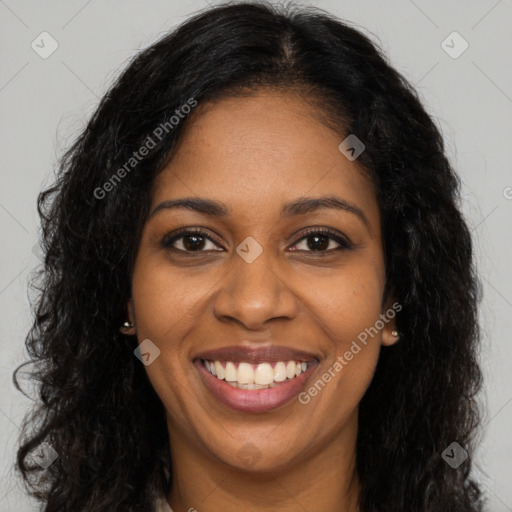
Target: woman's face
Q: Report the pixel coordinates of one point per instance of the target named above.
(254, 280)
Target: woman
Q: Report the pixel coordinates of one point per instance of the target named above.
(258, 290)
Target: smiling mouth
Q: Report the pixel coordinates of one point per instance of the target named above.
(266, 375)
(258, 387)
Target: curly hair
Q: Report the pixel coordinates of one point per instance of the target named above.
(95, 404)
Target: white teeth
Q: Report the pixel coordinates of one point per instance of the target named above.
(245, 374)
(280, 372)
(230, 373)
(248, 386)
(290, 369)
(219, 370)
(264, 374)
(248, 376)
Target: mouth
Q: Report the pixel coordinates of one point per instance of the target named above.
(256, 376)
(254, 387)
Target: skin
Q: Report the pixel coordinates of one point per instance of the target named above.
(254, 154)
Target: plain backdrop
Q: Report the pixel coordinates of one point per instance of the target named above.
(45, 102)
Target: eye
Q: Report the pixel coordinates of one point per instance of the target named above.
(189, 240)
(319, 240)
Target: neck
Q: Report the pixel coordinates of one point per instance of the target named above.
(325, 479)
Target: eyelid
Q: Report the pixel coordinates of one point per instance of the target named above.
(170, 238)
(331, 233)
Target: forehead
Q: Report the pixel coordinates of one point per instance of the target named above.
(261, 151)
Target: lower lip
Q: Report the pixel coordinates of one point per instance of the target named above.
(254, 400)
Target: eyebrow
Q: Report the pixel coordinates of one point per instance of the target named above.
(299, 206)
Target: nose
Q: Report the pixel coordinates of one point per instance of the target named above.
(253, 293)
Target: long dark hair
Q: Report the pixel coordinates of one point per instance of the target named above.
(95, 404)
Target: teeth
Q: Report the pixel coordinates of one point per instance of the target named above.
(264, 374)
(219, 370)
(245, 373)
(230, 373)
(255, 376)
(280, 372)
(290, 370)
(249, 386)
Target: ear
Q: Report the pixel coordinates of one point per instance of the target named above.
(130, 331)
(389, 333)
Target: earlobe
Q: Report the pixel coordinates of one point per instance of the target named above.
(390, 334)
(128, 327)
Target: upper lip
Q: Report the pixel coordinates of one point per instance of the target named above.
(256, 355)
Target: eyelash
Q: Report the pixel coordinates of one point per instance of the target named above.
(344, 244)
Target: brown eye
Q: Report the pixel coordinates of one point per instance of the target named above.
(320, 241)
(189, 241)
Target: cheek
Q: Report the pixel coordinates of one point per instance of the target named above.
(165, 302)
(169, 304)
(348, 308)
(348, 302)
(166, 307)
(343, 302)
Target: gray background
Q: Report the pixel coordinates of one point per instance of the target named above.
(45, 102)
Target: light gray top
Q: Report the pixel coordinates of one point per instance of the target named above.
(163, 505)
